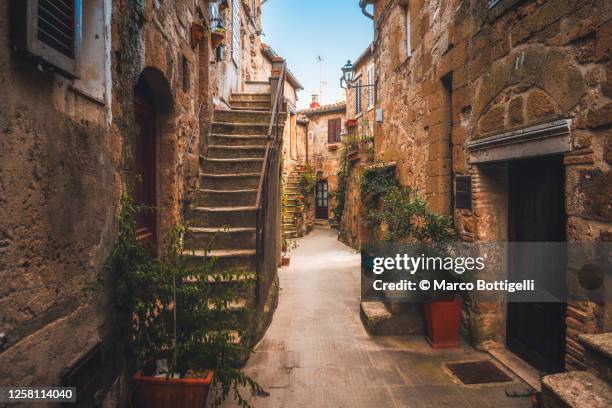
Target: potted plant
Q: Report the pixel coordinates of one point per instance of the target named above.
(351, 123)
(406, 220)
(178, 325)
(288, 245)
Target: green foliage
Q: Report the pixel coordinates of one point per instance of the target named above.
(340, 193)
(166, 308)
(307, 184)
(401, 210)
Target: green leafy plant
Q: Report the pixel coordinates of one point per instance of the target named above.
(168, 310)
(307, 184)
(404, 214)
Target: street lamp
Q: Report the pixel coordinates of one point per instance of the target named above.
(348, 73)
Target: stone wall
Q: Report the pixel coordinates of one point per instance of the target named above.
(65, 156)
(324, 157)
(471, 72)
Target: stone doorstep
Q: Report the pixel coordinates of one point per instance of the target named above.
(601, 343)
(519, 367)
(576, 389)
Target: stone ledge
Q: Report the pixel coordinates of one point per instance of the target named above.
(577, 389)
(601, 343)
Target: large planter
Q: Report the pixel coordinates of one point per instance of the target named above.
(442, 319)
(159, 392)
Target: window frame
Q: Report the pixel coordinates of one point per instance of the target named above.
(235, 49)
(358, 103)
(336, 125)
(371, 75)
(26, 37)
(407, 27)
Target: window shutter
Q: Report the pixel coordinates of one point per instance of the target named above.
(49, 30)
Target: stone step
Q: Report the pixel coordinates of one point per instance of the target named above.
(225, 198)
(224, 260)
(236, 166)
(378, 319)
(220, 238)
(238, 97)
(244, 181)
(576, 389)
(598, 354)
(291, 234)
(235, 152)
(220, 217)
(239, 128)
(242, 116)
(247, 106)
(222, 139)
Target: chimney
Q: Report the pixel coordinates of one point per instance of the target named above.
(315, 102)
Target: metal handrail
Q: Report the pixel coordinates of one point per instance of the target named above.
(273, 127)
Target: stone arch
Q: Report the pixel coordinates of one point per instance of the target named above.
(516, 107)
(533, 66)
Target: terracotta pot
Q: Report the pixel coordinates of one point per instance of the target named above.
(351, 123)
(159, 392)
(216, 38)
(286, 260)
(442, 318)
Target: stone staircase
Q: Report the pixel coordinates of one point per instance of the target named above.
(292, 227)
(591, 388)
(223, 213)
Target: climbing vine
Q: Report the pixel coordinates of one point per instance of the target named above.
(340, 193)
(404, 214)
(307, 183)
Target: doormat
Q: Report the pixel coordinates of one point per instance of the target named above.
(478, 372)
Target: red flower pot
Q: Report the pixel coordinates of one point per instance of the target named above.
(442, 318)
(285, 260)
(159, 392)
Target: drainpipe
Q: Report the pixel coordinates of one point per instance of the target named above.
(363, 4)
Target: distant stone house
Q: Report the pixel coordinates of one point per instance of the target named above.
(499, 113)
(129, 103)
(324, 130)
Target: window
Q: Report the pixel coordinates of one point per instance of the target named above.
(236, 32)
(50, 30)
(358, 97)
(371, 87)
(334, 128)
(408, 42)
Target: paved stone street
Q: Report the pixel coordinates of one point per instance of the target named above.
(316, 353)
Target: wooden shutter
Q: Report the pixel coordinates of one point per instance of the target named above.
(334, 127)
(49, 30)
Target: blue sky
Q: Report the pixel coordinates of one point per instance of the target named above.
(301, 30)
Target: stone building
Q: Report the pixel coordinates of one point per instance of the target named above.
(499, 112)
(358, 145)
(125, 96)
(324, 127)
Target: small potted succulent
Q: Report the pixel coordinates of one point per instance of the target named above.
(176, 322)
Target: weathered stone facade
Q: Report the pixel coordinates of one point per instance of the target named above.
(462, 72)
(323, 154)
(67, 153)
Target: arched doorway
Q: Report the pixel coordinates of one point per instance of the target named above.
(152, 103)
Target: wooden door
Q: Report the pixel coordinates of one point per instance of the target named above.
(321, 204)
(536, 331)
(145, 169)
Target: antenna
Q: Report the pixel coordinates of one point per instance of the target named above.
(322, 81)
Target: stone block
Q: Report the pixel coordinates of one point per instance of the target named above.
(493, 120)
(603, 42)
(575, 389)
(539, 105)
(515, 111)
(600, 117)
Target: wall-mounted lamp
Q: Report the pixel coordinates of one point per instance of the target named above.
(348, 74)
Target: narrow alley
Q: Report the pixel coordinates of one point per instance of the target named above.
(316, 353)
